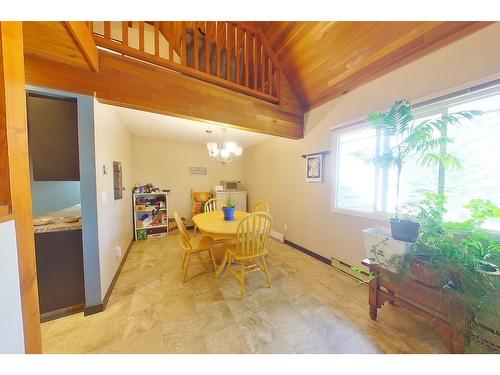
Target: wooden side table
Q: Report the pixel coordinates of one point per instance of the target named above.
(442, 306)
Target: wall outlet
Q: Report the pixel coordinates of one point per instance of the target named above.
(285, 227)
(118, 250)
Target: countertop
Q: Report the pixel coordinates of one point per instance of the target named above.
(59, 225)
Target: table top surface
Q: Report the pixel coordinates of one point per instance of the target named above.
(214, 223)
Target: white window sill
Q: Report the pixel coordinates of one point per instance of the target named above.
(365, 215)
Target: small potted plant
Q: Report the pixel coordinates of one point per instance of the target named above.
(229, 210)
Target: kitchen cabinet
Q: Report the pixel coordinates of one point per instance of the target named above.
(53, 138)
(59, 265)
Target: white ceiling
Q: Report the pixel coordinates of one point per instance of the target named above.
(149, 124)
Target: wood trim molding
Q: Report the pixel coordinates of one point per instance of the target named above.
(99, 308)
(308, 252)
(13, 112)
(84, 40)
(113, 282)
(65, 311)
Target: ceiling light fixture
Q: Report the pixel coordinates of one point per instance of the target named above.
(224, 152)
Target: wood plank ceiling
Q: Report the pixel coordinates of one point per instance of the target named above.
(323, 60)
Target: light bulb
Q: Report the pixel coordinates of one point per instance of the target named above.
(212, 146)
(231, 147)
(224, 153)
(238, 151)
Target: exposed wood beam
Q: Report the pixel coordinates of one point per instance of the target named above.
(14, 118)
(84, 40)
(133, 84)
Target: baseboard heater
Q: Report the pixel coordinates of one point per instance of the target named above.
(347, 269)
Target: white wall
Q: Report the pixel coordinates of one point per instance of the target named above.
(114, 217)
(11, 323)
(274, 170)
(166, 163)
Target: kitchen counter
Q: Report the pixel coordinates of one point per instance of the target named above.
(59, 225)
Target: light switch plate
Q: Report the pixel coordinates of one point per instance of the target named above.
(104, 196)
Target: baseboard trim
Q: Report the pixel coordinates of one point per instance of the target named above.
(113, 282)
(89, 310)
(59, 313)
(277, 236)
(308, 252)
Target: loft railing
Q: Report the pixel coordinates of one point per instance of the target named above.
(228, 54)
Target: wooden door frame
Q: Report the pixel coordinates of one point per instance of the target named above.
(13, 115)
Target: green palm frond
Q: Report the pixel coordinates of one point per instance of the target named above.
(396, 120)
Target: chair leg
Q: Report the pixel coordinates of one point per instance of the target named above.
(265, 271)
(194, 230)
(242, 281)
(212, 258)
(229, 262)
(184, 261)
(186, 267)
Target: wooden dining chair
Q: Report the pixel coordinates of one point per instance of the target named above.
(250, 247)
(214, 204)
(192, 245)
(261, 206)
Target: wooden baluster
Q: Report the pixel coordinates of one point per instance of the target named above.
(262, 67)
(196, 36)
(141, 35)
(90, 25)
(184, 44)
(218, 33)
(255, 61)
(107, 30)
(277, 83)
(125, 33)
(157, 38)
(212, 37)
(170, 46)
(237, 56)
(247, 58)
(229, 48)
(270, 76)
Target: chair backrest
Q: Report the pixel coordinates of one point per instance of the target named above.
(252, 234)
(214, 204)
(185, 237)
(261, 206)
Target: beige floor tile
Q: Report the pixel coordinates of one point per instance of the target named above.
(310, 308)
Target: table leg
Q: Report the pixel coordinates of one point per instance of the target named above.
(222, 265)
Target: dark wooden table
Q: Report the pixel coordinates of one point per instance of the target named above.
(441, 306)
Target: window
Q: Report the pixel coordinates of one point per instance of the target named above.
(363, 188)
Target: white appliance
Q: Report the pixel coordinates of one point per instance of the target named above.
(232, 185)
(238, 197)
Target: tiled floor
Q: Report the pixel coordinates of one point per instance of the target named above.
(311, 308)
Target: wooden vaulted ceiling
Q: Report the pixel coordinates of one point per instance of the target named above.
(317, 62)
(323, 60)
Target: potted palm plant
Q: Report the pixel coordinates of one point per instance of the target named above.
(425, 140)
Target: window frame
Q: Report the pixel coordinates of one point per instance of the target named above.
(422, 109)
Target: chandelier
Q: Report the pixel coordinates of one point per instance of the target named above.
(223, 152)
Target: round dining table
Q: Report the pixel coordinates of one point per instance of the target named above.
(214, 225)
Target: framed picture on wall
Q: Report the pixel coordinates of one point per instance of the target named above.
(314, 168)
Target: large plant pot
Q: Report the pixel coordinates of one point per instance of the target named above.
(404, 230)
(228, 213)
(425, 273)
(380, 239)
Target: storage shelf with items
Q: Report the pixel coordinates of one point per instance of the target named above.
(150, 215)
